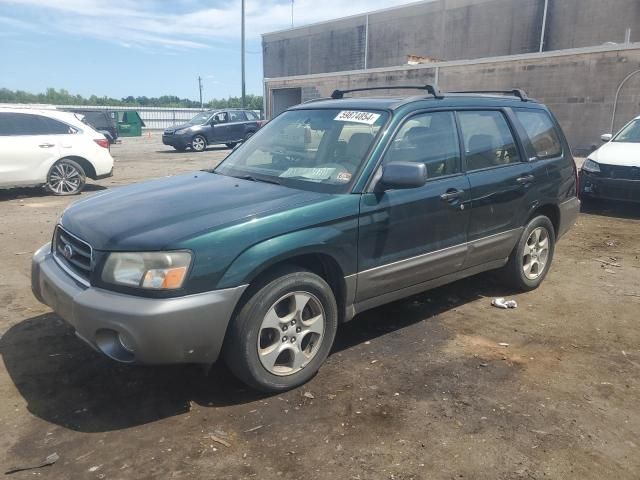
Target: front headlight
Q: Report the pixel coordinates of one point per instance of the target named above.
(153, 270)
(591, 166)
(181, 131)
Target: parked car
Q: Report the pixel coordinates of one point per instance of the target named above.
(50, 148)
(334, 207)
(101, 120)
(229, 127)
(613, 171)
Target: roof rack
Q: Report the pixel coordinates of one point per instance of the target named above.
(516, 92)
(432, 89)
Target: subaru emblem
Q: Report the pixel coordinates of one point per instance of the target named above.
(67, 251)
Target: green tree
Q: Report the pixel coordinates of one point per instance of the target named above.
(63, 97)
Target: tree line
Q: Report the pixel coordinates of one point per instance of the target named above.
(63, 97)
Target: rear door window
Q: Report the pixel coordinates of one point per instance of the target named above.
(541, 132)
(236, 116)
(24, 124)
(488, 141)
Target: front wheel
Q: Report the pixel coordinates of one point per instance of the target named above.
(198, 143)
(283, 332)
(66, 177)
(531, 258)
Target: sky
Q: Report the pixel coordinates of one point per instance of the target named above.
(148, 48)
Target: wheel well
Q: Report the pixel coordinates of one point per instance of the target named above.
(550, 211)
(322, 265)
(85, 164)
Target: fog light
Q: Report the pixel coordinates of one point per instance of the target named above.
(127, 342)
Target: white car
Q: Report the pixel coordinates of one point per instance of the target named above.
(51, 148)
(612, 172)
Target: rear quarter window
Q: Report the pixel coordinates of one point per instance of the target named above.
(541, 131)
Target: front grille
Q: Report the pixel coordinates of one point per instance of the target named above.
(621, 172)
(73, 254)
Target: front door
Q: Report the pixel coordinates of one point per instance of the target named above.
(500, 181)
(220, 132)
(408, 237)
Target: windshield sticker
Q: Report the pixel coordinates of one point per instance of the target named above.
(367, 118)
(317, 174)
(344, 177)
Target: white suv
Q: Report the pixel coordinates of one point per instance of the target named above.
(50, 148)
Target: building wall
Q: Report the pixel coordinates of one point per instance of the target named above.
(447, 30)
(572, 84)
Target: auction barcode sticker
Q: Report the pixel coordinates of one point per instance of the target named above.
(358, 117)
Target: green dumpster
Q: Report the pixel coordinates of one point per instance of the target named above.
(129, 124)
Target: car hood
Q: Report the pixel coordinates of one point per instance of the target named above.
(178, 127)
(158, 214)
(618, 153)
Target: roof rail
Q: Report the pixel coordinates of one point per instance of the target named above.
(432, 89)
(516, 92)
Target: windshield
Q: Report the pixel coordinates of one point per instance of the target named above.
(630, 133)
(200, 118)
(320, 150)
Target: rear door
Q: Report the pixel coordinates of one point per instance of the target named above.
(410, 236)
(237, 124)
(27, 148)
(500, 179)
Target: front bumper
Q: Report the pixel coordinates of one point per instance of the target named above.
(132, 329)
(179, 141)
(595, 186)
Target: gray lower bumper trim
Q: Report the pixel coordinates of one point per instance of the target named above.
(187, 329)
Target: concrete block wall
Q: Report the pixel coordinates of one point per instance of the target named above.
(447, 30)
(578, 87)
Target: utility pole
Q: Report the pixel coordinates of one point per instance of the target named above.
(544, 25)
(200, 87)
(242, 57)
(291, 13)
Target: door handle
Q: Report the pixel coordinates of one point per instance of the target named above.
(450, 195)
(46, 145)
(525, 180)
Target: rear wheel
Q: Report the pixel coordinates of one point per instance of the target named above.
(283, 332)
(198, 143)
(531, 258)
(231, 145)
(66, 177)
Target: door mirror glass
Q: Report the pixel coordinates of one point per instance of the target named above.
(606, 137)
(397, 175)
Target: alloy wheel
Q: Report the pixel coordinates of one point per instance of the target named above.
(198, 144)
(64, 178)
(535, 253)
(291, 333)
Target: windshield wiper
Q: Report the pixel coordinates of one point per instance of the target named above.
(254, 179)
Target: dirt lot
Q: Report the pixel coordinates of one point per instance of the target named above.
(419, 389)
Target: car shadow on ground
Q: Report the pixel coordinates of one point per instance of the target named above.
(610, 208)
(66, 383)
(37, 192)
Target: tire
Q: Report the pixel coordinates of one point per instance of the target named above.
(66, 177)
(180, 149)
(248, 136)
(231, 145)
(198, 143)
(526, 270)
(271, 355)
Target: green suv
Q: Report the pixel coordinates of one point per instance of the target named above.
(336, 206)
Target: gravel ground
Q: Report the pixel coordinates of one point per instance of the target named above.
(437, 386)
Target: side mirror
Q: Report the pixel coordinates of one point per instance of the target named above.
(397, 175)
(606, 137)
